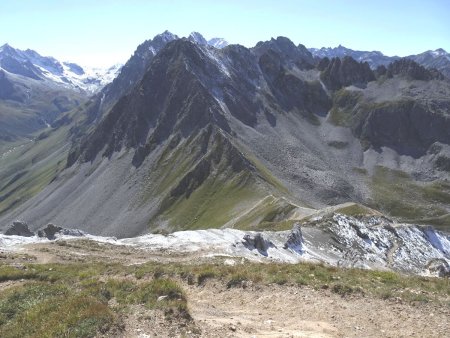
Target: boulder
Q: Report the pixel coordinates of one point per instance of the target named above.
(295, 239)
(49, 231)
(257, 242)
(439, 268)
(19, 228)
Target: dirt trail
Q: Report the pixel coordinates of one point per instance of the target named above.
(254, 310)
(288, 311)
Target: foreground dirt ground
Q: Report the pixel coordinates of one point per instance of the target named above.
(286, 311)
(251, 309)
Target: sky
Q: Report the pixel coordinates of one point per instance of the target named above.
(100, 33)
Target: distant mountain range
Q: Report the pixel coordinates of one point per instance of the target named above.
(35, 89)
(192, 136)
(438, 58)
(31, 64)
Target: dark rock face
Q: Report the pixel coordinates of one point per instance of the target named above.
(406, 126)
(442, 163)
(24, 68)
(74, 68)
(438, 59)
(19, 228)
(380, 71)
(49, 231)
(184, 87)
(323, 64)
(257, 242)
(295, 239)
(308, 97)
(412, 70)
(6, 87)
(298, 55)
(135, 68)
(169, 100)
(342, 73)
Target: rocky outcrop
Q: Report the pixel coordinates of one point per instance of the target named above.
(19, 228)
(133, 71)
(50, 231)
(258, 242)
(407, 126)
(412, 70)
(25, 68)
(438, 59)
(291, 54)
(342, 73)
(292, 93)
(439, 268)
(295, 239)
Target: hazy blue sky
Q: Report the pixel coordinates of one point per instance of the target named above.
(100, 33)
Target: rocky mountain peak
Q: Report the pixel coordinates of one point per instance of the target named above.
(170, 98)
(165, 36)
(287, 50)
(439, 52)
(218, 43)
(197, 38)
(7, 49)
(30, 64)
(338, 73)
(412, 70)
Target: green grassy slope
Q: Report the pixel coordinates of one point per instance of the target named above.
(397, 194)
(207, 182)
(27, 169)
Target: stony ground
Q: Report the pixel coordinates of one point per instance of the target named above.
(250, 309)
(287, 311)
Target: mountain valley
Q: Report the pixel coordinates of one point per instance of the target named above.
(265, 135)
(209, 189)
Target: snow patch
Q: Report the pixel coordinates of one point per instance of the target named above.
(370, 243)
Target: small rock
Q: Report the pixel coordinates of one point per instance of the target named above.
(230, 262)
(19, 266)
(161, 298)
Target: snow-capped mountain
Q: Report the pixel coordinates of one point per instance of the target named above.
(197, 38)
(214, 42)
(438, 58)
(373, 58)
(218, 42)
(31, 64)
